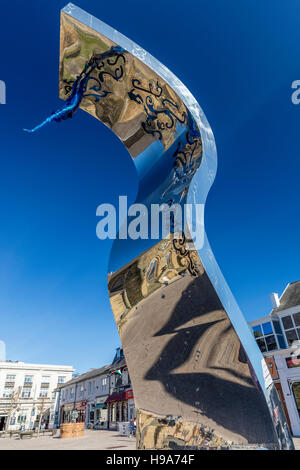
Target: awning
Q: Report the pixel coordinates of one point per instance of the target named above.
(68, 407)
(100, 400)
(99, 406)
(117, 397)
(123, 396)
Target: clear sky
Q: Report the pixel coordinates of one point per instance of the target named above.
(239, 59)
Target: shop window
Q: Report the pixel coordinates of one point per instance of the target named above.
(296, 393)
(293, 362)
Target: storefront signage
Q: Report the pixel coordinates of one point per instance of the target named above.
(81, 405)
(129, 394)
(69, 407)
(293, 362)
(101, 400)
(272, 367)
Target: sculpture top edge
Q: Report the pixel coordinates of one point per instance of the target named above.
(209, 158)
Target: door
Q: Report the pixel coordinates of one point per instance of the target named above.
(2, 422)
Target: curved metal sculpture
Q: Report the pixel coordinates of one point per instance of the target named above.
(198, 377)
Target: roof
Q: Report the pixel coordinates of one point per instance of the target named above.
(87, 375)
(290, 297)
(117, 364)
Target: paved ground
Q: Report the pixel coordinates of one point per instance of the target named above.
(297, 443)
(92, 440)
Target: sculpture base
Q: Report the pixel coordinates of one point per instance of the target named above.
(71, 430)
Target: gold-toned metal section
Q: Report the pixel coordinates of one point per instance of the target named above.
(187, 365)
(122, 91)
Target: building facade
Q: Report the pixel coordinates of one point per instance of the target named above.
(27, 394)
(101, 398)
(278, 337)
(83, 399)
(120, 401)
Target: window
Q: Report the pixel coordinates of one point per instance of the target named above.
(267, 328)
(61, 379)
(46, 379)
(279, 334)
(152, 270)
(10, 377)
(290, 324)
(265, 337)
(296, 393)
(293, 362)
(90, 388)
(7, 392)
(296, 318)
(271, 342)
(257, 331)
(43, 393)
(261, 344)
(28, 379)
(26, 393)
(22, 419)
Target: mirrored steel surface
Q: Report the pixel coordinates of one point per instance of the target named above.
(198, 377)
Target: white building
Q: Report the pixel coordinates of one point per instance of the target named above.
(278, 337)
(26, 391)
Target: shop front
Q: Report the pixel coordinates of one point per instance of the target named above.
(80, 407)
(118, 408)
(101, 412)
(66, 413)
(131, 405)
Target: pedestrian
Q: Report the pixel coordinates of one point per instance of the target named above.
(132, 427)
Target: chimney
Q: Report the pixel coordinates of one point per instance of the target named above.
(274, 300)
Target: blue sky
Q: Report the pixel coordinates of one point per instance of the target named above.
(239, 59)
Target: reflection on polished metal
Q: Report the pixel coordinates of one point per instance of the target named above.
(198, 377)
